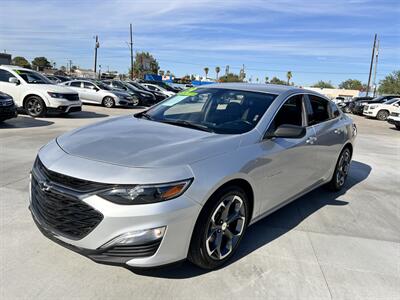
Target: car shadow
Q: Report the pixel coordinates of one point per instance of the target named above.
(24, 122)
(82, 115)
(281, 221)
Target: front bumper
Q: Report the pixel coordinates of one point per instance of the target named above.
(369, 113)
(177, 215)
(8, 112)
(358, 110)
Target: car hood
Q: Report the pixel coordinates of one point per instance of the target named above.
(120, 93)
(133, 142)
(55, 88)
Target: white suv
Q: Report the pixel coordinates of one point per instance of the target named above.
(381, 111)
(35, 93)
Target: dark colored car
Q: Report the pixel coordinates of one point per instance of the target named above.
(145, 98)
(162, 84)
(8, 110)
(360, 102)
(159, 96)
(62, 78)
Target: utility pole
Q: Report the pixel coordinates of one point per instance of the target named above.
(96, 46)
(376, 66)
(131, 46)
(70, 67)
(370, 67)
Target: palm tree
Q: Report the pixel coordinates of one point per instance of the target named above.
(206, 69)
(217, 70)
(266, 79)
(289, 76)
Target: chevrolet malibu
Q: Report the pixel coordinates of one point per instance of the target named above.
(185, 178)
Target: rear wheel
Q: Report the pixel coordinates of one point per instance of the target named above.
(397, 127)
(108, 102)
(219, 228)
(341, 170)
(35, 106)
(135, 101)
(382, 115)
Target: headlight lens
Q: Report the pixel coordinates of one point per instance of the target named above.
(56, 95)
(145, 194)
(372, 106)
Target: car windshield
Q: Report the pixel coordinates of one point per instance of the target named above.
(33, 77)
(103, 86)
(391, 101)
(216, 110)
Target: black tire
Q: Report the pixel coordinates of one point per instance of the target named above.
(136, 101)
(341, 170)
(347, 110)
(382, 115)
(108, 102)
(35, 107)
(397, 127)
(207, 232)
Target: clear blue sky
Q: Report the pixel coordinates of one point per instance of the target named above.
(316, 40)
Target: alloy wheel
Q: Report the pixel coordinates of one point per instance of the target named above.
(135, 101)
(34, 107)
(343, 168)
(108, 102)
(225, 227)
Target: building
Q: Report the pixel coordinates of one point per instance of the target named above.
(333, 93)
(84, 73)
(5, 59)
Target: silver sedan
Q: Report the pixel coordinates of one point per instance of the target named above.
(185, 178)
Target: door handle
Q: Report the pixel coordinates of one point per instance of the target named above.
(311, 140)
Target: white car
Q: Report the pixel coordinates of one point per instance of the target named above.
(381, 111)
(394, 118)
(100, 93)
(156, 88)
(35, 93)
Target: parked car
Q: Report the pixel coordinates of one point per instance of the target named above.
(100, 93)
(52, 78)
(381, 111)
(157, 88)
(350, 106)
(143, 97)
(185, 178)
(8, 110)
(162, 84)
(159, 96)
(394, 117)
(35, 93)
(62, 78)
(358, 108)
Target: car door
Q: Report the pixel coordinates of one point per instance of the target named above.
(91, 93)
(287, 165)
(9, 88)
(76, 85)
(325, 118)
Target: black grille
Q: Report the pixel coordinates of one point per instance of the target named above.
(62, 213)
(76, 184)
(71, 97)
(130, 251)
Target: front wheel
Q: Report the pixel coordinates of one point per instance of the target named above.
(341, 170)
(35, 106)
(108, 102)
(219, 228)
(382, 115)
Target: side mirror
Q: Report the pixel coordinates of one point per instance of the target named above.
(396, 104)
(287, 131)
(14, 80)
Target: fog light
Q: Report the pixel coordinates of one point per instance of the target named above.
(137, 237)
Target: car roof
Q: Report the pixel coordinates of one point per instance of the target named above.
(264, 88)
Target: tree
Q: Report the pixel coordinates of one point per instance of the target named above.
(276, 80)
(323, 85)
(40, 63)
(217, 70)
(289, 76)
(206, 69)
(63, 68)
(351, 84)
(21, 62)
(230, 77)
(390, 84)
(144, 63)
(266, 79)
(161, 72)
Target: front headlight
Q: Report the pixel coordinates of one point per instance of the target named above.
(372, 106)
(56, 95)
(145, 194)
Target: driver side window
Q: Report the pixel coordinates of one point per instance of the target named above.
(291, 113)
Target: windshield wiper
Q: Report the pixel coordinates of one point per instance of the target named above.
(187, 124)
(145, 115)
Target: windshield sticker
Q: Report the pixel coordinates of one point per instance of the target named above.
(188, 93)
(17, 71)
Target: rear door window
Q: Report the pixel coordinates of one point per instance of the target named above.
(317, 110)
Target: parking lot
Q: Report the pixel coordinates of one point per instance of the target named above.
(322, 246)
